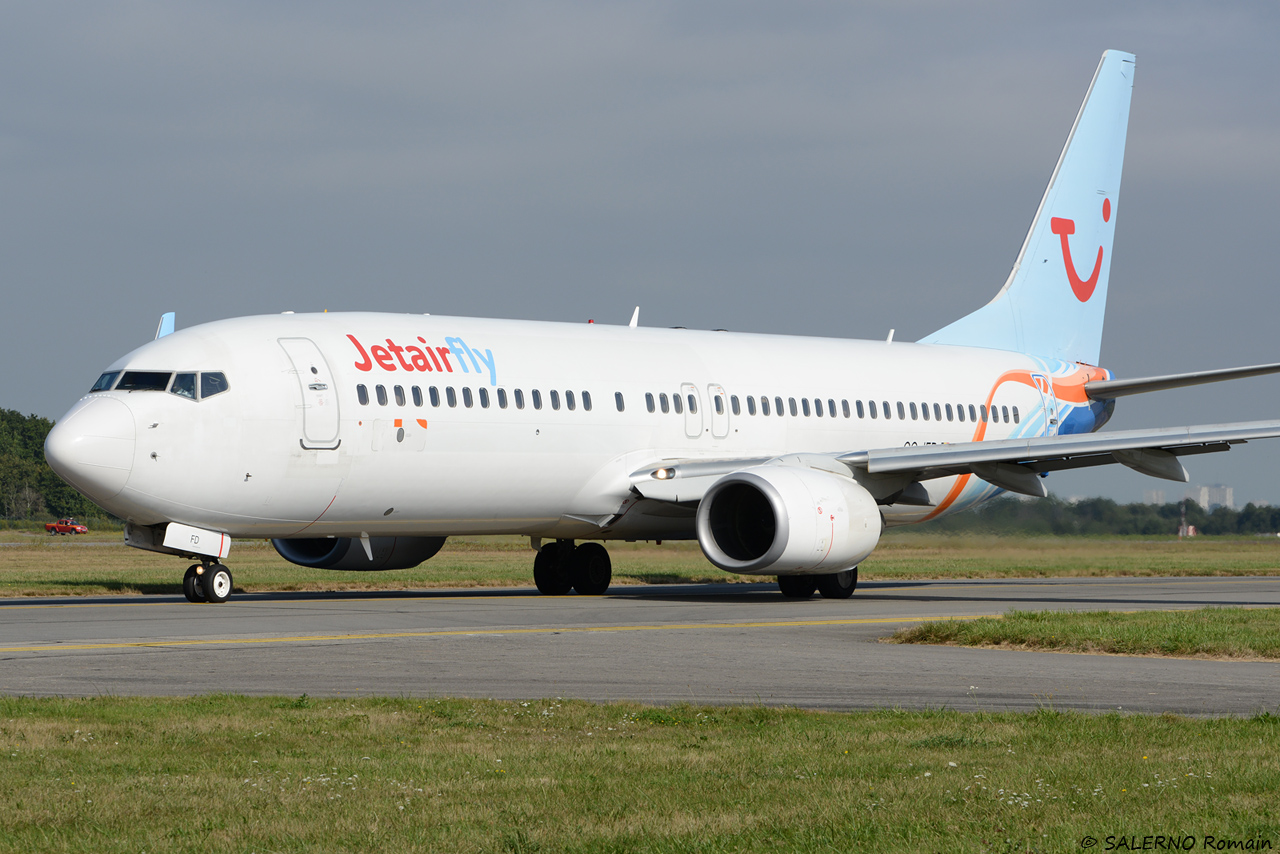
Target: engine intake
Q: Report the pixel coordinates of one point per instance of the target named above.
(348, 553)
(780, 520)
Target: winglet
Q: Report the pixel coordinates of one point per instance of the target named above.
(166, 324)
(635, 318)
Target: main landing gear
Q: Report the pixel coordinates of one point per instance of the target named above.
(208, 582)
(838, 585)
(561, 566)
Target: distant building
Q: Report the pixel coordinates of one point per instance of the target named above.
(1153, 496)
(1210, 497)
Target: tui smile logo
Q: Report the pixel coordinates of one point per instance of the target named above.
(1064, 228)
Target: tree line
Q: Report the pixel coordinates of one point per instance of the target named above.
(29, 490)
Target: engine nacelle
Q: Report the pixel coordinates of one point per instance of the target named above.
(348, 553)
(784, 520)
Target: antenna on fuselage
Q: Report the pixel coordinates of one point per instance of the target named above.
(166, 324)
(635, 318)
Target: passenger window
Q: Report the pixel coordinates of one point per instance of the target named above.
(1015, 415)
(960, 411)
(555, 399)
(622, 404)
(913, 411)
(973, 413)
(417, 396)
(184, 385)
(777, 405)
(875, 412)
(805, 406)
(502, 398)
(362, 395)
(399, 390)
(586, 401)
(105, 382)
(831, 408)
(662, 400)
(844, 406)
(888, 413)
(924, 410)
(718, 403)
(434, 394)
(950, 417)
(648, 402)
(382, 395)
(764, 405)
(214, 382)
(449, 395)
(677, 404)
(817, 406)
(466, 397)
(484, 397)
(519, 395)
(1004, 410)
(569, 401)
(861, 411)
(693, 404)
(937, 412)
(733, 404)
(902, 413)
(982, 410)
(791, 404)
(537, 398)
(144, 381)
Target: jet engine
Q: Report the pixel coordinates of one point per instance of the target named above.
(784, 520)
(348, 553)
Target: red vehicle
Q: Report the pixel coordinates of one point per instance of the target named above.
(65, 526)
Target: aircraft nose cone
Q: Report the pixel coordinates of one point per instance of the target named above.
(91, 448)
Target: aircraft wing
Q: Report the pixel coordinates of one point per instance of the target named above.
(1012, 464)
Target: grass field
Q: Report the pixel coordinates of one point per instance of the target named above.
(36, 565)
(1231, 633)
(220, 773)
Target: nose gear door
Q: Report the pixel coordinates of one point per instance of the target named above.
(320, 421)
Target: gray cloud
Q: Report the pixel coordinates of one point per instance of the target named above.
(813, 168)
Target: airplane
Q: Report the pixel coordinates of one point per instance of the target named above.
(361, 441)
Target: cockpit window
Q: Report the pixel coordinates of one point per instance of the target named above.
(144, 381)
(184, 385)
(212, 383)
(105, 382)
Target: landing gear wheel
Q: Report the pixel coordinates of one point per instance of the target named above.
(590, 569)
(551, 569)
(839, 585)
(191, 585)
(797, 586)
(216, 583)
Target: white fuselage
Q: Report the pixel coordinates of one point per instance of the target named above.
(290, 449)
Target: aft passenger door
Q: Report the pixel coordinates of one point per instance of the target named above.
(1049, 401)
(320, 421)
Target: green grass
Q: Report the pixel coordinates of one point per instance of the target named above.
(1205, 632)
(39, 565)
(219, 773)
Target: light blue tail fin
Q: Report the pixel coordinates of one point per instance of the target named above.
(1054, 300)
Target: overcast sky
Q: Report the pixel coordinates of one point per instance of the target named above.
(813, 168)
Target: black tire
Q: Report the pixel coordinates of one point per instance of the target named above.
(216, 583)
(797, 586)
(590, 569)
(551, 570)
(838, 585)
(191, 585)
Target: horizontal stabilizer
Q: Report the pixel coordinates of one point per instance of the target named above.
(1108, 389)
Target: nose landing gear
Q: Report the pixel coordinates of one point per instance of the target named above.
(561, 567)
(209, 582)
